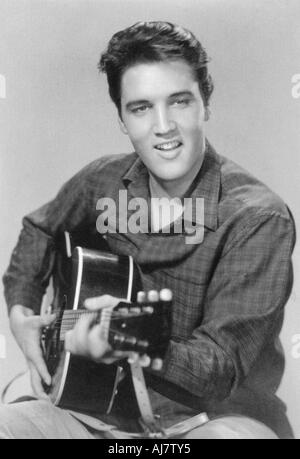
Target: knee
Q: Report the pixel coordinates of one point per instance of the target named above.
(7, 422)
(20, 420)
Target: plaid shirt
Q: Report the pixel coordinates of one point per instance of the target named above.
(229, 291)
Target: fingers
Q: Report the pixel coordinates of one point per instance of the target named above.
(32, 348)
(145, 361)
(132, 357)
(114, 356)
(100, 302)
(36, 383)
(91, 340)
(87, 341)
(47, 319)
(98, 342)
(39, 364)
(76, 339)
(39, 322)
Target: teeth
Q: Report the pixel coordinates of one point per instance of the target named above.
(168, 146)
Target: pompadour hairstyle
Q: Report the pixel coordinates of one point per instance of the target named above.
(153, 41)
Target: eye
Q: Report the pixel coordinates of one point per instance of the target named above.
(182, 102)
(140, 109)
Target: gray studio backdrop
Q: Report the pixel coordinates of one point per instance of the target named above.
(56, 116)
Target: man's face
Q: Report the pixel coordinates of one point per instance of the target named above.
(163, 113)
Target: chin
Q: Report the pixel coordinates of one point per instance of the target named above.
(171, 173)
(169, 177)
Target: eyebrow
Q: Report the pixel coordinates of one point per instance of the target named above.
(181, 93)
(134, 103)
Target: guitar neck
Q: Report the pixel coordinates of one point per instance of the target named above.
(70, 318)
(116, 323)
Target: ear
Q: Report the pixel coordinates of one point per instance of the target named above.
(207, 113)
(122, 126)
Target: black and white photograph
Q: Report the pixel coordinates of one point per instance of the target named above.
(149, 197)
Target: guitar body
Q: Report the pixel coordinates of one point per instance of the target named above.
(78, 383)
(144, 327)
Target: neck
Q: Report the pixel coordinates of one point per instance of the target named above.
(176, 188)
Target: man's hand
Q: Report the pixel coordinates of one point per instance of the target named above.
(26, 328)
(90, 340)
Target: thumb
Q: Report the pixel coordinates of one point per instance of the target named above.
(47, 319)
(101, 302)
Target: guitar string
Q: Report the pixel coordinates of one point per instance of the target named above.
(97, 313)
(118, 314)
(114, 316)
(73, 321)
(130, 305)
(86, 311)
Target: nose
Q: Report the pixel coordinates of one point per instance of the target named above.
(163, 124)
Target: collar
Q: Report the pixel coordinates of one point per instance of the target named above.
(136, 179)
(207, 186)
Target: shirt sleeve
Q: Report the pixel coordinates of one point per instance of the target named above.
(32, 260)
(243, 310)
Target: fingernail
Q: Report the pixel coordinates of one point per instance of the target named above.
(157, 364)
(145, 361)
(133, 358)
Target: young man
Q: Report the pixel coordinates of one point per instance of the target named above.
(229, 285)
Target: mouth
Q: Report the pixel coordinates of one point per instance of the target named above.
(168, 147)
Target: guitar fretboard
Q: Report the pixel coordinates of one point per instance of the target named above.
(70, 319)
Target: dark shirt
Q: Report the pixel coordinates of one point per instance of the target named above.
(229, 291)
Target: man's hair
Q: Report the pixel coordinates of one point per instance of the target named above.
(153, 41)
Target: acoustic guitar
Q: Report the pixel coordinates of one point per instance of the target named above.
(140, 323)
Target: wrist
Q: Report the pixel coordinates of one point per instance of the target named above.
(19, 310)
(17, 314)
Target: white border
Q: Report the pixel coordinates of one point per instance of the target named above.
(75, 307)
(130, 279)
